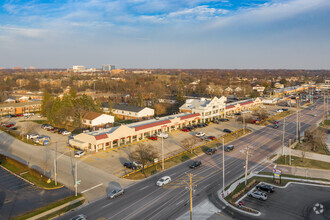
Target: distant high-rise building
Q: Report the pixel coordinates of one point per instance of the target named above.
(108, 67)
(78, 68)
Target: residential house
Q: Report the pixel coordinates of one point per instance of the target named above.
(124, 111)
(95, 119)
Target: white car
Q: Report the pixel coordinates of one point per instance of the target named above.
(79, 153)
(162, 135)
(33, 135)
(163, 181)
(66, 132)
(279, 110)
(200, 134)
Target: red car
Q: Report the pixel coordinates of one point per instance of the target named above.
(19, 115)
(255, 121)
(185, 130)
(10, 125)
(154, 138)
(211, 137)
(276, 122)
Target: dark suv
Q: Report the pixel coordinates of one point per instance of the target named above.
(195, 164)
(265, 187)
(227, 130)
(229, 148)
(211, 151)
(130, 166)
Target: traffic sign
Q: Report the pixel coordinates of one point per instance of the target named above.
(78, 182)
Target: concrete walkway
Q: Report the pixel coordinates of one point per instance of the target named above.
(308, 155)
(305, 172)
(56, 209)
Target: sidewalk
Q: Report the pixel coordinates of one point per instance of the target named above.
(305, 172)
(308, 155)
(56, 209)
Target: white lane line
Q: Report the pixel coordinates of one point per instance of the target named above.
(106, 205)
(143, 188)
(179, 202)
(205, 187)
(92, 188)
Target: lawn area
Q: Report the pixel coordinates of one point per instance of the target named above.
(40, 121)
(318, 149)
(297, 161)
(276, 117)
(326, 123)
(51, 206)
(27, 173)
(184, 156)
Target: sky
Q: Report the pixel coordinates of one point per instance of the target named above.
(207, 34)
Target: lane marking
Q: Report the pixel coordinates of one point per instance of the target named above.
(144, 187)
(92, 188)
(106, 205)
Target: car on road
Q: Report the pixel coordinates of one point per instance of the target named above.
(154, 138)
(227, 131)
(258, 195)
(162, 135)
(276, 122)
(229, 148)
(79, 153)
(275, 126)
(265, 187)
(79, 217)
(195, 164)
(223, 119)
(116, 192)
(211, 151)
(200, 134)
(163, 181)
(211, 137)
(314, 115)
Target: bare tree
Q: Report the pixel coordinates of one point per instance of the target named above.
(315, 137)
(144, 154)
(28, 127)
(189, 143)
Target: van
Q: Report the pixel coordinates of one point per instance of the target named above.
(229, 148)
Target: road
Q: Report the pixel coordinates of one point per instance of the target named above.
(144, 200)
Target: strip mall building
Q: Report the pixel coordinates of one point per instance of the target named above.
(192, 112)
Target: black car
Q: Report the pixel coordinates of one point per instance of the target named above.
(130, 166)
(229, 148)
(227, 130)
(211, 151)
(238, 113)
(200, 125)
(265, 187)
(195, 164)
(223, 119)
(204, 124)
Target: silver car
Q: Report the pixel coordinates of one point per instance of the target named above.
(114, 193)
(258, 195)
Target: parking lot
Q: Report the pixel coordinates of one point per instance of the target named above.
(18, 196)
(297, 201)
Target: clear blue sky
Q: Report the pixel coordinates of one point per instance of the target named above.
(165, 33)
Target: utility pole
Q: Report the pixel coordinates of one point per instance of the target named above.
(323, 106)
(283, 136)
(243, 124)
(299, 102)
(191, 190)
(246, 163)
(327, 105)
(223, 166)
(55, 168)
(297, 116)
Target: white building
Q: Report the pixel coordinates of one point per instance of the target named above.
(78, 68)
(108, 67)
(124, 111)
(207, 108)
(95, 119)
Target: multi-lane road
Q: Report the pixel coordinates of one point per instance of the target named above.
(145, 200)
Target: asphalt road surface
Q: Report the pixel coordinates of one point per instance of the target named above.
(18, 196)
(144, 200)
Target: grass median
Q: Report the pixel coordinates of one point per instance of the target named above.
(276, 117)
(303, 162)
(52, 206)
(184, 156)
(27, 173)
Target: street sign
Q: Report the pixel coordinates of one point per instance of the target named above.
(277, 171)
(78, 182)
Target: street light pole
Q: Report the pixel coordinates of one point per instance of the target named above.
(297, 117)
(246, 163)
(163, 152)
(223, 166)
(283, 136)
(76, 177)
(290, 152)
(191, 190)
(243, 124)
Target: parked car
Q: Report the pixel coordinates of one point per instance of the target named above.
(163, 181)
(285, 109)
(60, 131)
(10, 125)
(55, 130)
(79, 217)
(137, 164)
(116, 192)
(162, 135)
(223, 119)
(205, 124)
(258, 195)
(227, 130)
(211, 151)
(211, 137)
(66, 132)
(200, 125)
(130, 165)
(185, 130)
(265, 187)
(204, 138)
(256, 121)
(33, 135)
(195, 164)
(46, 126)
(229, 148)
(51, 128)
(200, 134)
(154, 138)
(314, 115)
(276, 122)
(19, 115)
(279, 110)
(79, 153)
